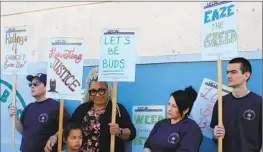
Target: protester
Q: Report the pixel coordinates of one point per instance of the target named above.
(177, 133)
(94, 115)
(242, 112)
(39, 120)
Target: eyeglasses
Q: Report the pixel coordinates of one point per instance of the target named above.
(34, 84)
(101, 91)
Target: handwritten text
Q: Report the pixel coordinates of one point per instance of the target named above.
(113, 43)
(16, 61)
(218, 13)
(65, 75)
(217, 39)
(147, 119)
(67, 54)
(12, 38)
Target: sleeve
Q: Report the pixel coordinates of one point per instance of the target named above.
(22, 118)
(126, 122)
(191, 141)
(214, 119)
(155, 127)
(260, 128)
(77, 115)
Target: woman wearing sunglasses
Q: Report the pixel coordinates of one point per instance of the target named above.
(95, 117)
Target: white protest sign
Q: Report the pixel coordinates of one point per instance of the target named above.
(144, 118)
(219, 30)
(65, 68)
(204, 103)
(15, 50)
(117, 55)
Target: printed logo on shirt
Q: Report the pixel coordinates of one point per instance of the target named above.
(173, 138)
(43, 117)
(249, 114)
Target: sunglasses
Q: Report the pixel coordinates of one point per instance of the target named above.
(34, 84)
(101, 91)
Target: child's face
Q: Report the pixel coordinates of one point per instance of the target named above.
(74, 140)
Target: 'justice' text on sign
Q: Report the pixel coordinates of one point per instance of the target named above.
(65, 68)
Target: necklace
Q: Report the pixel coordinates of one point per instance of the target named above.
(243, 95)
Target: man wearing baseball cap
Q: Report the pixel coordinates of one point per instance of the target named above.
(40, 119)
(40, 76)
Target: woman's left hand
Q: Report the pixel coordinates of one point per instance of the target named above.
(113, 128)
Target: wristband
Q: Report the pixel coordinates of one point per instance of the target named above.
(54, 136)
(120, 132)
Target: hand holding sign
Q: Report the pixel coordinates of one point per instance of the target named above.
(203, 107)
(219, 40)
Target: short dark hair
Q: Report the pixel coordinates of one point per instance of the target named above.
(70, 126)
(185, 99)
(245, 64)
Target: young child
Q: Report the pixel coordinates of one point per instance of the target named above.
(72, 137)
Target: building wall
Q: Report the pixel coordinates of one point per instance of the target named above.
(167, 32)
(164, 28)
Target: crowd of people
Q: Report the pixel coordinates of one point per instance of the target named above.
(89, 128)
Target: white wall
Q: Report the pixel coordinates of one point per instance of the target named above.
(164, 28)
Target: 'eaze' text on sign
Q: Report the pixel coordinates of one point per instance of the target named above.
(218, 13)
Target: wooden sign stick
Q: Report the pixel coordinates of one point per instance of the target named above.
(14, 117)
(113, 115)
(220, 110)
(60, 125)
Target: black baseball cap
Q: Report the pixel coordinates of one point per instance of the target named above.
(40, 76)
